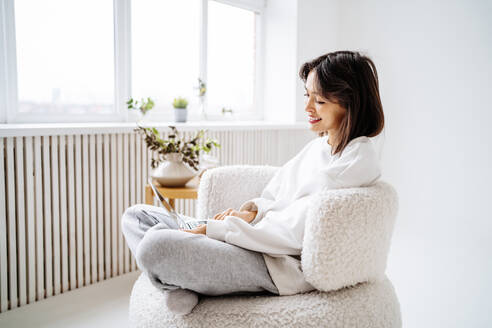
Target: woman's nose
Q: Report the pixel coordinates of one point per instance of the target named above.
(308, 106)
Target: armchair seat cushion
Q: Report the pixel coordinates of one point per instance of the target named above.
(369, 304)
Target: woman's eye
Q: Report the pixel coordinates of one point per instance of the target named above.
(318, 102)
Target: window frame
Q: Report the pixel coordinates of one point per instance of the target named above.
(122, 65)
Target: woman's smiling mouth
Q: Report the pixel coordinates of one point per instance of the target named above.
(314, 120)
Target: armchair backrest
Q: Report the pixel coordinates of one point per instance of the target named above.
(230, 186)
(347, 235)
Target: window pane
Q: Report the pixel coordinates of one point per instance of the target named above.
(231, 57)
(65, 56)
(165, 45)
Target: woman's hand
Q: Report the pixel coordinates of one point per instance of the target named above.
(201, 229)
(247, 216)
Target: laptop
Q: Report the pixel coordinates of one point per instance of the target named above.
(182, 221)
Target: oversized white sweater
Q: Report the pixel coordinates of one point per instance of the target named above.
(278, 228)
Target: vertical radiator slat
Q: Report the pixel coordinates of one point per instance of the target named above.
(259, 149)
(48, 249)
(126, 197)
(21, 220)
(63, 215)
(235, 156)
(72, 228)
(120, 204)
(4, 305)
(79, 216)
(267, 139)
(230, 147)
(86, 205)
(257, 153)
(30, 221)
(249, 138)
(241, 147)
(145, 164)
(138, 164)
(107, 208)
(40, 284)
(222, 150)
(247, 149)
(100, 206)
(132, 187)
(12, 246)
(114, 206)
(215, 151)
(150, 156)
(55, 196)
(132, 169)
(252, 147)
(93, 207)
(244, 147)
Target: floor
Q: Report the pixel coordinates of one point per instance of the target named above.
(104, 304)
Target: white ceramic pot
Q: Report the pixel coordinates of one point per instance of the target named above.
(180, 114)
(173, 172)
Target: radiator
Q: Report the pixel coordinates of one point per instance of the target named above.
(62, 197)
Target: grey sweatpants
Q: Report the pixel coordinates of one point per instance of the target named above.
(178, 259)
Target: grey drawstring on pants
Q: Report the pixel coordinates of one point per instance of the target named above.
(178, 259)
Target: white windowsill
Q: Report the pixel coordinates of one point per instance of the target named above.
(36, 129)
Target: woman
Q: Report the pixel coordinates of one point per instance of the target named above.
(256, 249)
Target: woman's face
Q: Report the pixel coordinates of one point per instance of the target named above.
(323, 114)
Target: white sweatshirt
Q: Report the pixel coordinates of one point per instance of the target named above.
(278, 228)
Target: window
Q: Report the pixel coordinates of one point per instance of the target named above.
(61, 66)
(64, 65)
(231, 58)
(165, 51)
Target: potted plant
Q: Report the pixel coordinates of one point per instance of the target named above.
(141, 108)
(180, 110)
(178, 160)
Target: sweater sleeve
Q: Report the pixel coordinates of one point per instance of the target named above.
(265, 201)
(282, 233)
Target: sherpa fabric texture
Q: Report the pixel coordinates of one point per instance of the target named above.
(368, 305)
(345, 247)
(347, 234)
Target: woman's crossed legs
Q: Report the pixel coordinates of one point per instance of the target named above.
(175, 259)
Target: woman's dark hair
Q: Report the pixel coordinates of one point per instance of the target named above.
(349, 79)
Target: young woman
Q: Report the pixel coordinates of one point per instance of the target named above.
(256, 249)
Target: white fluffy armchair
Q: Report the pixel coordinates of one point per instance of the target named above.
(346, 244)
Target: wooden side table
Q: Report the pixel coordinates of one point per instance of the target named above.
(189, 191)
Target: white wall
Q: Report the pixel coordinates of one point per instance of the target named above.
(280, 60)
(317, 33)
(435, 66)
(291, 38)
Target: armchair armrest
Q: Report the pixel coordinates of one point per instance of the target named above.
(230, 186)
(347, 235)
